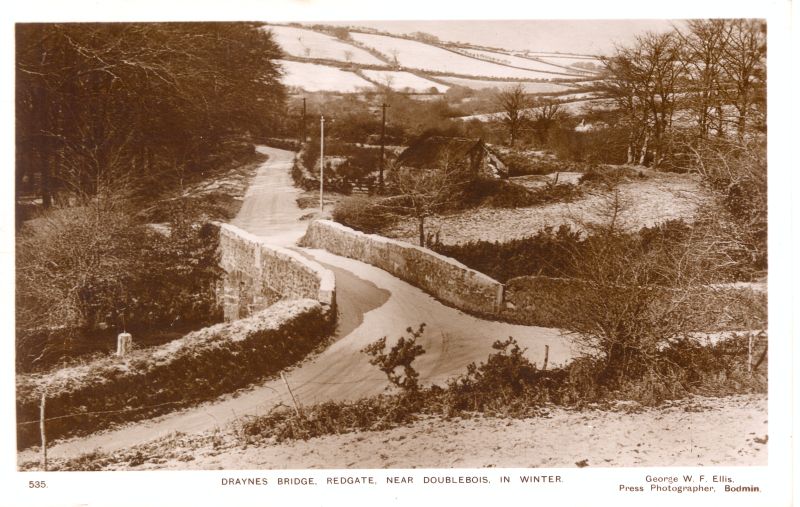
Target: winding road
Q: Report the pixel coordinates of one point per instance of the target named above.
(371, 304)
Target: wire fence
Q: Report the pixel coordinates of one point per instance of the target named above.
(754, 360)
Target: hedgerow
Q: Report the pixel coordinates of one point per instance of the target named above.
(198, 367)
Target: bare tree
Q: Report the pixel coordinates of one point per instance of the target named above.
(705, 43)
(647, 76)
(745, 68)
(423, 192)
(546, 110)
(395, 54)
(514, 103)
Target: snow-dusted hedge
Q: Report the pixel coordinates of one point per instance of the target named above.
(443, 277)
(197, 367)
(540, 301)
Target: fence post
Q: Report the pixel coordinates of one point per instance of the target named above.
(294, 401)
(42, 430)
(124, 342)
(546, 356)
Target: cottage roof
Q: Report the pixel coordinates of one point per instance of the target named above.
(431, 151)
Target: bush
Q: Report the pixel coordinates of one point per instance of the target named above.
(375, 413)
(363, 214)
(609, 177)
(507, 384)
(542, 253)
(86, 271)
(401, 354)
(507, 194)
(521, 164)
(283, 144)
(683, 368)
(539, 301)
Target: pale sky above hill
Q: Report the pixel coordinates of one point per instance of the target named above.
(566, 36)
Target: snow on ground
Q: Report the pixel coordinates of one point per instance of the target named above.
(530, 87)
(310, 44)
(656, 199)
(417, 55)
(697, 431)
(580, 106)
(574, 107)
(398, 80)
(517, 61)
(313, 77)
(566, 60)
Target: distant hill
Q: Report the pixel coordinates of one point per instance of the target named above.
(339, 59)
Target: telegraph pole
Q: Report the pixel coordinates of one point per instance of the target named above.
(303, 124)
(321, 160)
(383, 146)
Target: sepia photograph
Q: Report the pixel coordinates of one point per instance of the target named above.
(361, 245)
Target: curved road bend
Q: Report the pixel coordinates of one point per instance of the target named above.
(372, 303)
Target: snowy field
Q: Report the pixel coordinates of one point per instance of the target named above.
(401, 81)
(316, 78)
(526, 63)
(417, 55)
(310, 44)
(529, 86)
(566, 60)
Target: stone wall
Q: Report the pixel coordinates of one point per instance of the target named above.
(446, 279)
(258, 275)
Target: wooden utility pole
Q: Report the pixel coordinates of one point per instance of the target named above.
(303, 124)
(383, 146)
(321, 160)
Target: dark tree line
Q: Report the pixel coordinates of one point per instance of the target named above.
(112, 121)
(122, 108)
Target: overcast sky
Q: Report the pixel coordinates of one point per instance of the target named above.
(566, 36)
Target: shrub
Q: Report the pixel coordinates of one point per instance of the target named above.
(507, 384)
(507, 194)
(364, 214)
(682, 368)
(539, 300)
(81, 271)
(543, 253)
(521, 164)
(609, 177)
(331, 418)
(401, 354)
(283, 144)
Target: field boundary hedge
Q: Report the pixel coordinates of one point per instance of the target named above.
(537, 301)
(197, 367)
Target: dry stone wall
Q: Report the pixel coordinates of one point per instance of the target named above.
(446, 279)
(258, 275)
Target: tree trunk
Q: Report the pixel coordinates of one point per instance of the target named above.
(421, 225)
(742, 123)
(643, 154)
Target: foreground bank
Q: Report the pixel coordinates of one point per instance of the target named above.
(690, 432)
